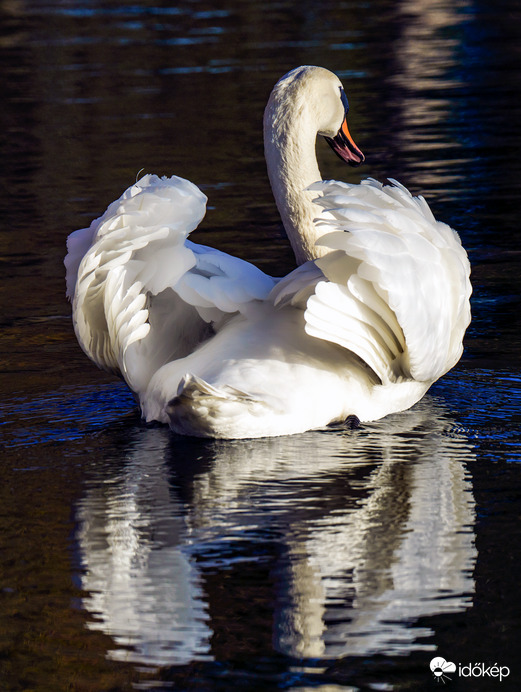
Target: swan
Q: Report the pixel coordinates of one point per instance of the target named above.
(373, 314)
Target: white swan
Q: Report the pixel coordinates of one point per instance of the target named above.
(374, 314)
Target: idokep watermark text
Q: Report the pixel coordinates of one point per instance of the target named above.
(443, 671)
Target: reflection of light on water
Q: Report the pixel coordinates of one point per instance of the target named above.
(427, 45)
(376, 524)
(428, 57)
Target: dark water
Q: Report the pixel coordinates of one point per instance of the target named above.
(131, 559)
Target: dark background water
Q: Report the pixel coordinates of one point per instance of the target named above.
(131, 559)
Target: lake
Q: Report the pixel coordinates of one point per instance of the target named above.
(342, 560)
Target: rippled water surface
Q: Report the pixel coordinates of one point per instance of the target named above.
(341, 560)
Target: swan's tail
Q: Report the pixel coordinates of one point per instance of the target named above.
(202, 410)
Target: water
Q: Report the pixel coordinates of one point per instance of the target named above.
(133, 559)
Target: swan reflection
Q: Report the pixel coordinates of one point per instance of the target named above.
(362, 532)
(143, 588)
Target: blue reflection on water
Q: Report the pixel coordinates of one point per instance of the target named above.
(115, 10)
(485, 404)
(68, 414)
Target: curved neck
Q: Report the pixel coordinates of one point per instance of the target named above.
(289, 147)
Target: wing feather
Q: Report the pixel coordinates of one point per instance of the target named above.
(142, 293)
(408, 270)
(335, 315)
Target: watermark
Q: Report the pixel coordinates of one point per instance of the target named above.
(440, 669)
(443, 671)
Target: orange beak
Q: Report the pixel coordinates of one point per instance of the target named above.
(343, 145)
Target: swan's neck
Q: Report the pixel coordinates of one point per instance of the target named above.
(289, 147)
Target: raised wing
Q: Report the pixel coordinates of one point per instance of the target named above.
(396, 285)
(142, 293)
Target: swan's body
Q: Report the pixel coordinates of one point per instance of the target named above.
(373, 315)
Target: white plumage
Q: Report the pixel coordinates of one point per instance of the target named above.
(373, 315)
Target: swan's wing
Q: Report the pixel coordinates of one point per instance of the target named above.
(396, 289)
(142, 293)
(297, 286)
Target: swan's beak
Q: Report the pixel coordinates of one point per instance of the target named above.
(343, 145)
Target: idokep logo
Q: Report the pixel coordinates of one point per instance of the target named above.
(440, 669)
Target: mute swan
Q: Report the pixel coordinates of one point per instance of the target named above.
(372, 316)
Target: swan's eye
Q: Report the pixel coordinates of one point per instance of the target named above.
(344, 100)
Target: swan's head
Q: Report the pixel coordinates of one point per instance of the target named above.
(318, 96)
